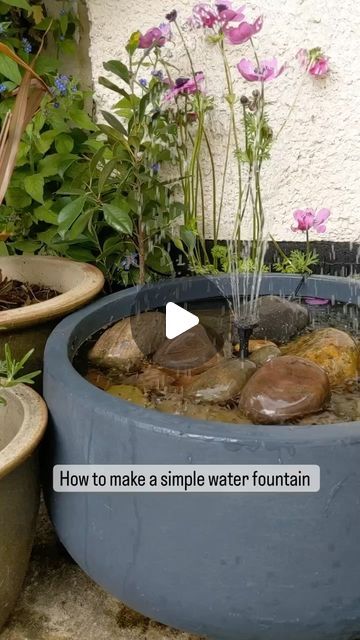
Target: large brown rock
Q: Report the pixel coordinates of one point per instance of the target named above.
(129, 341)
(222, 382)
(279, 319)
(285, 388)
(192, 351)
(333, 350)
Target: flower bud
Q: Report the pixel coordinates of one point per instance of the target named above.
(244, 100)
(256, 93)
(171, 17)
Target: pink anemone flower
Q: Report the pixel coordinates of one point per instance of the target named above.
(156, 36)
(208, 16)
(320, 67)
(186, 86)
(269, 69)
(227, 13)
(309, 219)
(204, 15)
(243, 32)
(314, 62)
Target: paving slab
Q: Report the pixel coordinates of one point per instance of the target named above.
(60, 602)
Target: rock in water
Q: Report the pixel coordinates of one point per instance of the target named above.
(254, 345)
(179, 406)
(285, 388)
(262, 355)
(279, 319)
(151, 379)
(129, 341)
(222, 382)
(333, 350)
(129, 393)
(192, 351)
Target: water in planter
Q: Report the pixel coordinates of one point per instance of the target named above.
(302, 364)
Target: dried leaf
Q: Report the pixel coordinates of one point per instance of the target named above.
(28, 99)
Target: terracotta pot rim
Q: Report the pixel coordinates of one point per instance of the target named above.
(31, 431)
(91, 284)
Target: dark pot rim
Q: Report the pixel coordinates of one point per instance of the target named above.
(74, 330)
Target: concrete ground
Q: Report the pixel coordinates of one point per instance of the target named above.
(60, 602)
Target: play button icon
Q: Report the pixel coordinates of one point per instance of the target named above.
(178, 320)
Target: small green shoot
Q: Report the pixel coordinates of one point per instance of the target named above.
(10, 369)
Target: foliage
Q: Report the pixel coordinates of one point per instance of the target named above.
(56, 144)
(221, 258)
(297, 262)
(94, 193)
(11, 368)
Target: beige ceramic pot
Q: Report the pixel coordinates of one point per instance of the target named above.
(29, 327)
(22, 424)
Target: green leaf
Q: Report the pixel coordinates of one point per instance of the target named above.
(45, 140)
(133, 42)
(81, 119)
(113, 87)
(188, 238)
(17, 198)
(21, 4)
(56, 164)
(27, 246)
(34, 186)
(46, 64)
(70, 213)
(64, 21)
(105, 173)
(9, 69)
(45, 215)
(97, 157)
(79, 225)
(64, 143)
(118, 218)
(119, 69)
(159, 260)
(114, 122)
(68, 46)
(3, 249)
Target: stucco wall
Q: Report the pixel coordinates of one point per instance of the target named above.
(316, 161)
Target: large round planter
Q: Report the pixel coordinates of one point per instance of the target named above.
(29, 327)
(245, 566)
(22, 424)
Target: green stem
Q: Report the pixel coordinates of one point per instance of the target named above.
(213, 175)
(227, 153)
(307, 243)
(231, 102)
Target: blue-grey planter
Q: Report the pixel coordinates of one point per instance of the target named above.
(229, 566)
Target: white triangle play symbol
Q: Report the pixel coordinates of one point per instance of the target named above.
(178, 320)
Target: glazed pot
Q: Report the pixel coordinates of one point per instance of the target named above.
(22, 424)
(231, 566)
(28, 327)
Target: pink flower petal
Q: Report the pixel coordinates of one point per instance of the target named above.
(316, 301)
(246, 69)
(322, 215)
(320, 67)
(243, 32)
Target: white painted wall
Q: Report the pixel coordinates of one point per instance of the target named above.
(316, 161)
